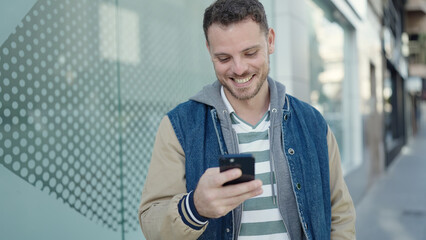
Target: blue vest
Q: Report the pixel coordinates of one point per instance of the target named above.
(304, 132)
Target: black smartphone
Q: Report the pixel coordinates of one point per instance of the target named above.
(245, 162)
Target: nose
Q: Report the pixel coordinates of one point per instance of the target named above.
(239, 67)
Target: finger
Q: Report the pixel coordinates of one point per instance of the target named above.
(228, 175)
(237, 200)
(211, 177)
(235, 190)
(212, 171)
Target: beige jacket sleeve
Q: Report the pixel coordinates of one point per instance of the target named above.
(342, 208)
(164, 187)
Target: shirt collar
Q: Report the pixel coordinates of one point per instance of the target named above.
(225, 100)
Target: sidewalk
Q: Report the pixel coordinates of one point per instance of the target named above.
(395, 207)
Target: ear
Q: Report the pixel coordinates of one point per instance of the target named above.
(208, 46)
(271, 41)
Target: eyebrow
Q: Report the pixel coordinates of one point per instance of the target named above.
(245, 50)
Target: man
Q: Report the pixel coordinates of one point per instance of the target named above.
(299, 191)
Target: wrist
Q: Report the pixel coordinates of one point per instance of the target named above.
(193, 209)
(189, 213)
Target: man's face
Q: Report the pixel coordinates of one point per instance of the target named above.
(240, 55)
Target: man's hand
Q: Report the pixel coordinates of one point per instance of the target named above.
(213, 200)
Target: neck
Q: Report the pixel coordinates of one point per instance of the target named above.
(251, 110)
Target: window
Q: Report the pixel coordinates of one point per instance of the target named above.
(332, 89)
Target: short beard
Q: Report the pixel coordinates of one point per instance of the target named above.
(257, 90)
(244, 98)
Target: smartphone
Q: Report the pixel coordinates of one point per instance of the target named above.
(245, 162)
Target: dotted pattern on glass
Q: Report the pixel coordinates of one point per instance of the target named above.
(174, 65)
(61, 122)
(58, 109)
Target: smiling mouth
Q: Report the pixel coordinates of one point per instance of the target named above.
(242, 80)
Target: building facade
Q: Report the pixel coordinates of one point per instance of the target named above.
(334, 58)
(415, 24)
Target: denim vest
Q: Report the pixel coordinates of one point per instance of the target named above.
(304, 143)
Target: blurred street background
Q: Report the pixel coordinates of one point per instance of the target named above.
(85, 83)
(395, 206)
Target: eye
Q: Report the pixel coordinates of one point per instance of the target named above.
(251, 53)
(223, 59)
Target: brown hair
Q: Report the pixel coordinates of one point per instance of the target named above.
(226, 12)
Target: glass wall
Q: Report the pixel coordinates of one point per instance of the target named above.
(327, 69)
(84, 84)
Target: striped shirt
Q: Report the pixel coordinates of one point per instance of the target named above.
(261, 218)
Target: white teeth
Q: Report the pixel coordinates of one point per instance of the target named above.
(244, 80)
